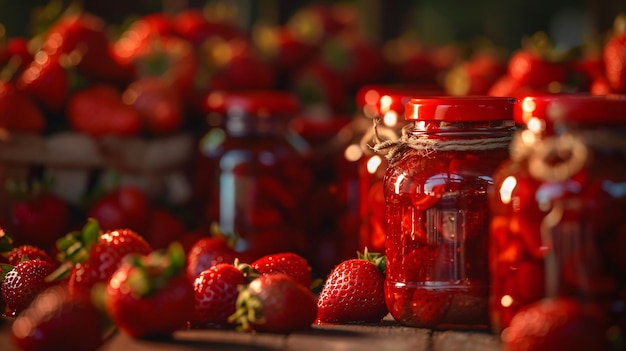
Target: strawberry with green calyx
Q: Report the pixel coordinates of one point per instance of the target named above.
(354, 291)
(91, 256)
(21, 284)
(212, 250)
(216, 291)
(150, 295)
(274, 303)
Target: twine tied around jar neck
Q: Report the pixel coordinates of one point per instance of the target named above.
(426, 146)
(558, 158)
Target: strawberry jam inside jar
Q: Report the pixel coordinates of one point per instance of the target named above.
(558, 231)
(435, 192)
(253, 178)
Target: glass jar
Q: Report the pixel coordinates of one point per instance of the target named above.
(437, 210)
(382, 106)
(252, 176)
(558, 228)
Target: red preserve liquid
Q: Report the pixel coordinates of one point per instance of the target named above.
(558, 229)
(437, 209)
(252, 177)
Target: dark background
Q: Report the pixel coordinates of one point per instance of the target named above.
(568, 22)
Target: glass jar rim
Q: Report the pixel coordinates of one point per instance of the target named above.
(460, 108)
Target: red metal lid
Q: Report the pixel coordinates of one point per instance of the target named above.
(257, 102)
(460, 108)
(577, 108)
(380, 99)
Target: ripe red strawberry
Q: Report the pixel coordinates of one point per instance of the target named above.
(557, 324)
(150, 295)
(29, 252)
(216, 290)
(22, 282)
(354, 291)
(57, 321)
(85, 33)
(18, 112)
(534, 66)
(614, 56)
(288, 263)
(274, 303)
(48, 81)
(98, 110)
(39, 219)
(159, 103)
(209, 251)
(93, 256)
(123, 207)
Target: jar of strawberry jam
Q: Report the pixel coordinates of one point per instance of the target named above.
(435, 190)
(558, 230)
(382, 106)
(253, 177)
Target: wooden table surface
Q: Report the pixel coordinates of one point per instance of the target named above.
(387, 335)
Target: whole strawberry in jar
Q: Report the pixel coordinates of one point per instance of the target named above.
(252, 178)
(558, 230)
(435, 190)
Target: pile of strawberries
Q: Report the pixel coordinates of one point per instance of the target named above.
(109, 280)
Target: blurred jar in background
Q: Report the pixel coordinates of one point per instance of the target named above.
(251, 175)
(558, 233)
(332, 204)
(435, 191)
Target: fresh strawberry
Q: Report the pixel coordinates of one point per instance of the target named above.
(85, 33)
(216, 290)
(22, 282)
(274, 303)
(209, 251)
(57, 321)
(288, 263)
(163, 228)
(138, 35)
(98, 110)
(48, 81)
(557, 324)
(18, 112)
(93, 256)
(159, 103)
(614, 56)
(39, 218)
(354, 291)
(150, 295)
(534, 65)
(29, 252)
(123, 207)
